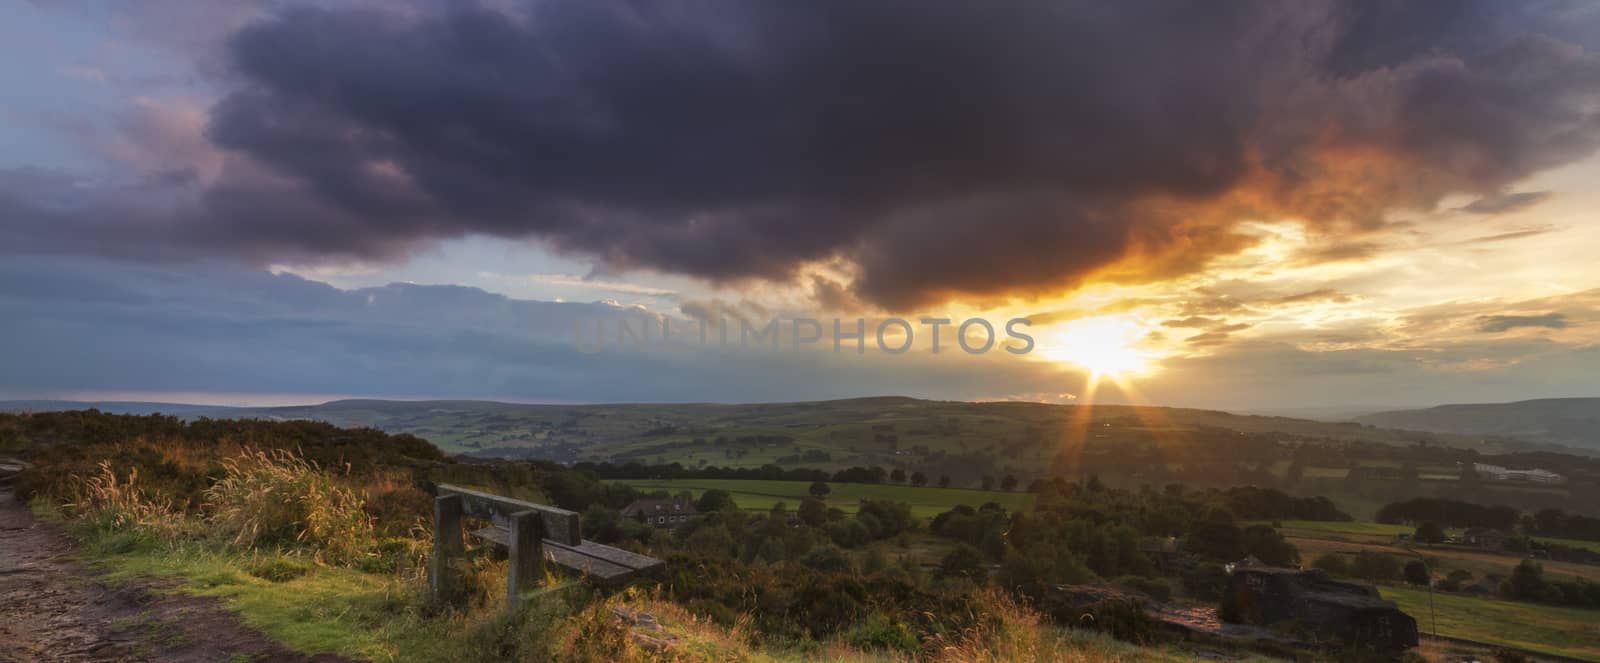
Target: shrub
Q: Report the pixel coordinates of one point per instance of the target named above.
(827, 559)
(1157, 588)
(1206, 582)
(879, 632)
(1334, 563)
(1375, 567)
(1416, 572)
(1429, 532)
(1456, 580)
(963, 562)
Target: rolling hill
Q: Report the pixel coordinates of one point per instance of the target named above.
(836, 433)
(1573, 422)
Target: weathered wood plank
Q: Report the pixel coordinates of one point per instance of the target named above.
(617, 556)
(447, 544)
(594, 567)
(598, 560)
(560, 524)
(527, 556)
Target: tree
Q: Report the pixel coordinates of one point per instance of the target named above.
(715, 500)
(1526, 582)
(988, 483)
(1269, 546)
(898, 475)
(944, 481)
(1216, 540)
(1429, 532)
(1009, 483)
(820, 489)
(919, 479)
(1416, 572)
(963, 562)
(813, 512)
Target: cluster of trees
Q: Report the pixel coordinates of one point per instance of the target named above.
(1431, 513)
(1528, 583)
(1450, 513)
(1078, 532)
(1560, 524)
(1256, 503)
(872, 474)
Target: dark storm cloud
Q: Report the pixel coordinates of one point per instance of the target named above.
(217, 327)
(1494, 324)
(938, 150)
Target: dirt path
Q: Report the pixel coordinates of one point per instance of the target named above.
(52, 608)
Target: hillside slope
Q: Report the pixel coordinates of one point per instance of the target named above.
(1567, 421)
(851, 431)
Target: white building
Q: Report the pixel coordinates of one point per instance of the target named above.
(1498, 473)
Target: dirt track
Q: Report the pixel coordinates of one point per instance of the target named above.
(52, 608)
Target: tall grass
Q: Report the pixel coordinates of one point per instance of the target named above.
(108, 503)
(277, 498)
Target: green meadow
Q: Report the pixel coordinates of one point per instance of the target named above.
(751, 494)
(1548, 629)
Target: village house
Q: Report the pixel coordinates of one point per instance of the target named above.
(663, 512)
(1483, 537)
(1498, 473)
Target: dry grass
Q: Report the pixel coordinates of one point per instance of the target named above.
(108, 503)
(279, 498)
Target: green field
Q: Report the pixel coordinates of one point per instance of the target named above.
(1347, 527)
(1561, 631)
(1575, 543)
(925, 502)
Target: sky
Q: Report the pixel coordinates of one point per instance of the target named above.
(1247, 205)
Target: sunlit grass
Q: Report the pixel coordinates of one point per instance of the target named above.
(1553, 630)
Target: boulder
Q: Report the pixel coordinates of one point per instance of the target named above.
(1350, 613)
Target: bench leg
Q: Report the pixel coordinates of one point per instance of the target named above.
(527, 556)
(447, 545)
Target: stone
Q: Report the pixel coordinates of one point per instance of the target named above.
(1350, 613)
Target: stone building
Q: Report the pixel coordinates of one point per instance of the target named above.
(664, 512)
(1350, 613)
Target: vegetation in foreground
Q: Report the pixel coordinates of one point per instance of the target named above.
(317, 536)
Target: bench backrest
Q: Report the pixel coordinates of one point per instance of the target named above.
(560, 525)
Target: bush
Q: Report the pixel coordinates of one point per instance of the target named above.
(1156, 588)
(1375, 567)
(1416, 573)
(963, 562)
(1206, 582)
(1456, 580)
(879, 632)
(827, 559)
(1334, 563)
(1429, 532)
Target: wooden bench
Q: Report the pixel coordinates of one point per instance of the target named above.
(531, 533)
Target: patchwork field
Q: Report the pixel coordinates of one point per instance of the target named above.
(762, 495)
(1561, 631)
(852, 430)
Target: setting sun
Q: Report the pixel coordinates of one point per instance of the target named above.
(1105, 345)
